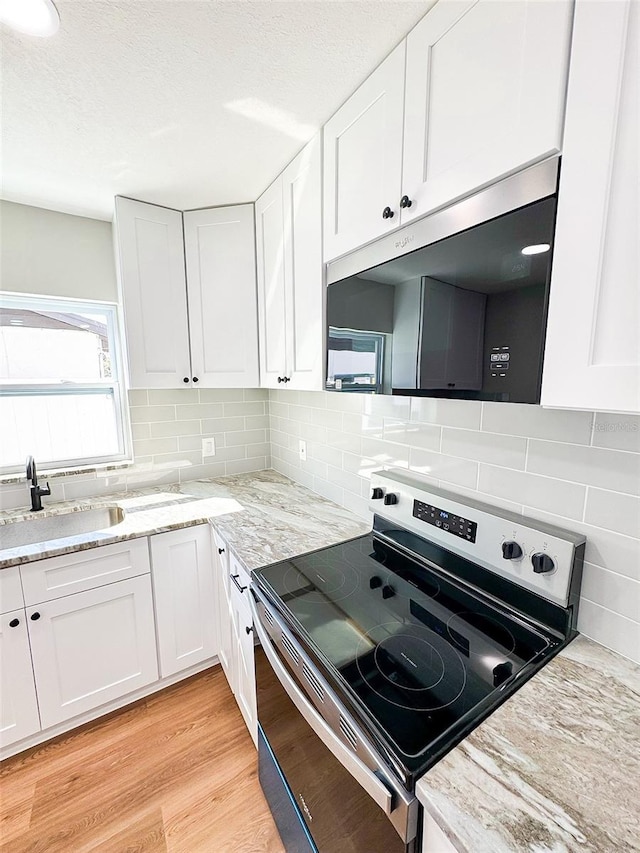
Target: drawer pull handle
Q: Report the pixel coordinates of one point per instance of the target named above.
(35, 616)
(234, 578)
(249, 629)
(220, 550)
(14, 623)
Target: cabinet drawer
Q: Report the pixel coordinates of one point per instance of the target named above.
(83, 570)
(238, 570)
(10, 590)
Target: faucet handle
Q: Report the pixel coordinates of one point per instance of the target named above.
(46, 491)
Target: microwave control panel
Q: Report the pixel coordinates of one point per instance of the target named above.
(455, 524)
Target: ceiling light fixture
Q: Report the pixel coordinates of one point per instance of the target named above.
(538, 249)
(31, 17)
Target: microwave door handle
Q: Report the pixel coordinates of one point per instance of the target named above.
(378, 792)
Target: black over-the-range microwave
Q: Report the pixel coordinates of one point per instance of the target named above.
(452, 305)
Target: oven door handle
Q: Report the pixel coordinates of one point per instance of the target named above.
(378, 791)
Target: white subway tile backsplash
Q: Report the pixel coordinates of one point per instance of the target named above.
(505, 450)
(607, 469)
(220, 395)
(244, 409)
(199, 411)
(166, 428)
(456, 413)
(162, 396)
(247, 436)
(449, 469)
(617, 432)
(613, 511)
(565, 499)
(609, 628)
(216, 425)
(138, 397)
(149, 414)
(535, 422)
(611, 590)
(152, 446)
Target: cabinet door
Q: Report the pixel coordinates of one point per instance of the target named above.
(363, 160)
(304, 282)
(226, 637)
(185, 597)
(150, 250)
(92, 647)
(484, 95)
(221, 288)
(245, 676)
(18, 705)
(271, 289)
(592, 353)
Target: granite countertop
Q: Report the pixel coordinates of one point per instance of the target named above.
(556, 769)
(264, 516)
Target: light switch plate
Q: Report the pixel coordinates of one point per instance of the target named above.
(302, 450)
(208, 447)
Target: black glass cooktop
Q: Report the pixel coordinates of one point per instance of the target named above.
(423, 655)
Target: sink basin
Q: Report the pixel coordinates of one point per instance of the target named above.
(45, 528)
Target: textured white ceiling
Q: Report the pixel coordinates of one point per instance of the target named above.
(186, 103)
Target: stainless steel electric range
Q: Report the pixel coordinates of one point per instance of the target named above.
(380, 654)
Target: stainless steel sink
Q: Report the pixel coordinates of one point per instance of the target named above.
(45, 528)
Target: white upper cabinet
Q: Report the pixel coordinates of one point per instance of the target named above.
(482, 95)
(196, 327)
(271, 290)
(221, 291)
(150, 250)
(363, 160)
(290, 275)
(485, 87)
(592, 354)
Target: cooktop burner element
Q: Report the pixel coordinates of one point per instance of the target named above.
(423, 632)
(419, 671)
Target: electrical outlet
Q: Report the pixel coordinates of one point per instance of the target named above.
(208, 447)
(302, 450)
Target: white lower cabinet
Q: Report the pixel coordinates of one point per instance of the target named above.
(236, 634)
(92, 647)
(18, 704)
(226, 643)
(185, 597)
(245, 681)
(433, 838)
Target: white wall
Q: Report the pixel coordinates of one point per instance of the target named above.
(579, 470)
(55, 254)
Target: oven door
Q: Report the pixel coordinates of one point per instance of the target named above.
(328, 789)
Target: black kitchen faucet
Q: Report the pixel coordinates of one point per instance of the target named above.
(36, 491)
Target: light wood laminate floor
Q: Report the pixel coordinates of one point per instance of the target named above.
(174, 773)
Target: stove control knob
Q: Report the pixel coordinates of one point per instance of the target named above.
(377, 494)
(511, 550)
(390, 498)
(375, 582)
(388, 591)
(542, 564)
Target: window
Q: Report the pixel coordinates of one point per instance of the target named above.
(62, 395)
(355, 360)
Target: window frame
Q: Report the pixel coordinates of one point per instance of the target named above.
(117, 384)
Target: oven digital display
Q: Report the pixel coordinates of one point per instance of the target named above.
(454, 524)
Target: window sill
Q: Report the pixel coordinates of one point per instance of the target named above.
(56, 473)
